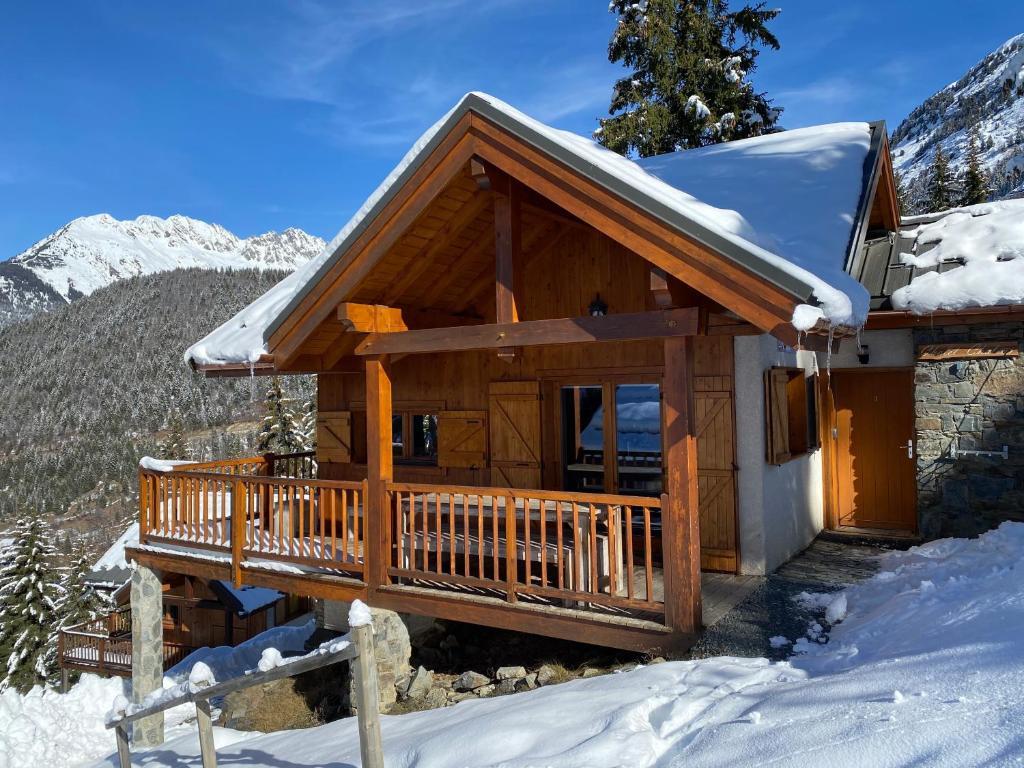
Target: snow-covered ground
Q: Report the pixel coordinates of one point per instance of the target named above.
(46, 729)
(924, 667)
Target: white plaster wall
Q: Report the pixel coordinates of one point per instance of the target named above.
(780, 508)
(886, 349)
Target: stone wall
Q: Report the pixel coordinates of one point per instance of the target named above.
(975, 404)
(391, 645)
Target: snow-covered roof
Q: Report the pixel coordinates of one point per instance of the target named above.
(112, 568)
(246, 599)
(785, 206)
(986, 240)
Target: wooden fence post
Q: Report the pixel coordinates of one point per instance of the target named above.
(367, 698)
(238, 509)
(124, 756)
(206, 746)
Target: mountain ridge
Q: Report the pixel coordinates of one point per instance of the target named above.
(91, 252)
(990, 97)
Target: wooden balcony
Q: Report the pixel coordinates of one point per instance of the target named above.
(575, 565)
(104, 646)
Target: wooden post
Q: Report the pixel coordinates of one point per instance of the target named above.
(206, 746)
(379, 470)
(237, 530)
(680, 518)
(511, 552)
(364, 670)
(124, 756)
(508, 243)
(269, 467)
(144, 513)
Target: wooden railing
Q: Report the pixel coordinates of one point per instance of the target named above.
(236, 507)
(593, 551)
(104, 645)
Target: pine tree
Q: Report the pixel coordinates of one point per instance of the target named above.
(975, 181)
(81, 602)
(687, 87)
(308, 425)
(30, 604)
(939, 183)
(174, 446)
(902, 194)
(280, 432)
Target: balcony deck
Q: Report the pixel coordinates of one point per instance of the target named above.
(581, 566)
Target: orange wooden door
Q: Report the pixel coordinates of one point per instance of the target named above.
(716, 475)
(515, 434)
(874, 468)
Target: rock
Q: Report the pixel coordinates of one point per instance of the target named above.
(470, 681)
(657, 660)
(591, 672)
(511, 673)
(529, 682)
(436, 698)
(420, 684)
(454, 697)
(506, 687)
(546, 675)
(294, 702)
(451, 641)
(485, 690)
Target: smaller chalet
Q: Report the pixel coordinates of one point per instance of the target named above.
(196, 614)
(561, 391)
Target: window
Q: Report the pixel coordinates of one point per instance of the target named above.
(638, 439)
(414, 437)
(791, 414)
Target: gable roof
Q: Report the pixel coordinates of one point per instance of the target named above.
(785, 207)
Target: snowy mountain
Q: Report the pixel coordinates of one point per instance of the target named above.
(990, 96)
(94, 251)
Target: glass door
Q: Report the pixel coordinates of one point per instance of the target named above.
(638, 456)
(583, 438)
(631, 434)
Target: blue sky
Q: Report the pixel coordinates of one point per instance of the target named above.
(261, 115)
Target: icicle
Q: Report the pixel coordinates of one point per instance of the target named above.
(252, 382)
(828, 352)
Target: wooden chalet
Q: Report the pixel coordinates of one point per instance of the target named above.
(527, 376)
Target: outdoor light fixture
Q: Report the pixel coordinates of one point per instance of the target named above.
(597, 307)
(862, 354)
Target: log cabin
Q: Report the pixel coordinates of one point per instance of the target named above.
(556, 385)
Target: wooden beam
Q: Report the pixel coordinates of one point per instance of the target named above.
(508, 249)
(680, 516)
(534, 333)
(379, 470)
(370, 318)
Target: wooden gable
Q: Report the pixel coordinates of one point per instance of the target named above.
(431, 250)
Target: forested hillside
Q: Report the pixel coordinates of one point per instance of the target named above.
(87, 387)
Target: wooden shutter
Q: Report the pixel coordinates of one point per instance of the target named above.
(776, 408)
(334, 436)
(462, 439)
(515, 434)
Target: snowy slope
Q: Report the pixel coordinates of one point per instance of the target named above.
(991, 96)
(923, 667)
(94, 251)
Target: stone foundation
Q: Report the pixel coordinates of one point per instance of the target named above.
(973, 404)
(147, 651)
(391, 645)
